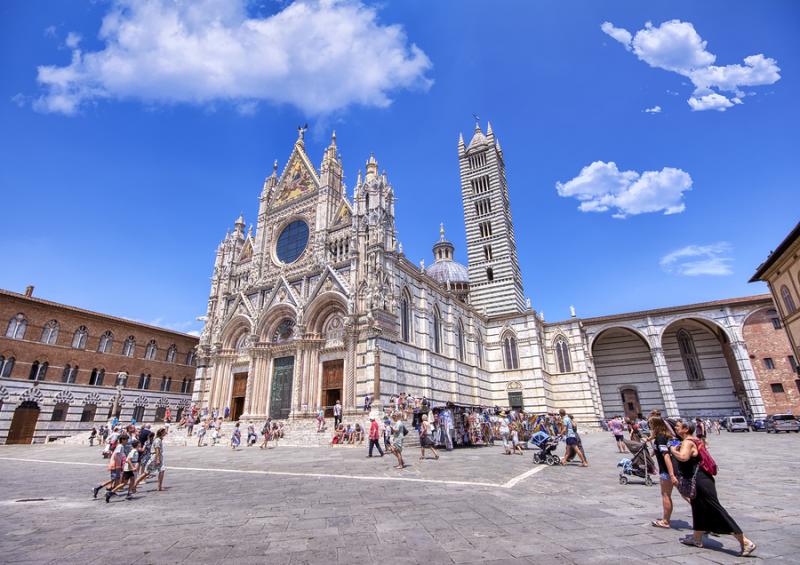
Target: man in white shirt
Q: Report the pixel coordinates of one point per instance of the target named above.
(337, 414)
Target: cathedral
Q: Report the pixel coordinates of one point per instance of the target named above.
(320, 304)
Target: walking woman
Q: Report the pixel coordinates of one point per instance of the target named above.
(661, 436)
(708, 515)
(398, 433)
(425, 441)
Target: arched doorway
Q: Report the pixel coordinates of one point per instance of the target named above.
(625, 373)
(630, 403)
(23, 424)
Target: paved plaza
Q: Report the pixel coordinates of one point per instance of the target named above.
(329, 505)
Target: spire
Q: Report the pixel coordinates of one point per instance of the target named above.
(372, 167)
(460, 139)
(333, 138)
(489, 128)
(240, 220)
(275, 168)
(441, 231)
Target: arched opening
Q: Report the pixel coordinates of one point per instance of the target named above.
(23, 424)
(138, 413)
(60, 411)
(625, 373)
(510, 353)
(704, 373)
(563, 360)
(89, 411)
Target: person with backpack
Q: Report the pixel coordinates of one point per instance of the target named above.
(399, 432)
(696, 484)
(115, 465)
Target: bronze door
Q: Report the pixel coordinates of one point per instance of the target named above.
(23, 425)
(332, 375)
(280, 395)
(238, 395)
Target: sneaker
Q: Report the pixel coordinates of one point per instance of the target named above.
(109, 494)
(95, 490)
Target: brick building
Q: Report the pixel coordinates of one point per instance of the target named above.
(773, 361)
(63, 369)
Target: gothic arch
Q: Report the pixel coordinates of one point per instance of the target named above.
(272, 318)
(323, 307)
(33, 394)
(235, 327)
(704, 319)
(623, 326)
(759, 309)
(92, 398)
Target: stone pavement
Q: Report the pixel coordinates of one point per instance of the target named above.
(329, 505)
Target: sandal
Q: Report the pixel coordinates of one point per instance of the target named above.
(689, 540)
(660, 524)
(748, 549)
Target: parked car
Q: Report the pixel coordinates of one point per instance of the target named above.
(759, 425)
(782, 423)
(736, 424)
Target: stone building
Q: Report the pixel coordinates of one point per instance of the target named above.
(64, 369)
(320, 304)
(781, 272)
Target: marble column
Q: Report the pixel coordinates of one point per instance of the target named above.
(351, 337)
(748, 379)
(664, 382)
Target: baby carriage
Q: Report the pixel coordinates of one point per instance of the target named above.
(547, 446)
(640, 464)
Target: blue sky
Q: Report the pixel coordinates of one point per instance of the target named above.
(122, 165)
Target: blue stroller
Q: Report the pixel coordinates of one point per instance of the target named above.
(546, 446)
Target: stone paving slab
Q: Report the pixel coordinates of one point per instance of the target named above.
(327, 505)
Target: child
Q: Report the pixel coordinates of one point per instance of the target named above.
(236, 437)
(252, 438)
(129, 473)
(515, 438)
(115, 465)
(201, 435)
(214, 436)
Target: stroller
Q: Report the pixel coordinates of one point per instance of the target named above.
(640, 464)
(547, 446)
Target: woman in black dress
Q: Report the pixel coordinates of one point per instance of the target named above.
(708, 515)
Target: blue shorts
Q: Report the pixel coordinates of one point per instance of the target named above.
(572, 441)
(665, 477)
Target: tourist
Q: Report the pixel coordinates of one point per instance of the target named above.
(320, 420)
(168, 416)
(190, 425)
(252, 437)
(425, 441)
(115, 466)
(214, 435)
(617, 429)
(92, 436)
(661, 437)
(236, 436)
(337, 414)
(700, 430)
(568, 431)
(717, 426)
(633, 428)
(367, 403)
(129, 473)
(504, 432)
(515, 444)
(387, 434)
(698, 486)
(446, 419)
(358, 434)
(201, 434)
(157, 464)
(398, 434)
(374, 436)
(227, 413)
(265, 431)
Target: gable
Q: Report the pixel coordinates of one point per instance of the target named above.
(344, 215)
(298, 180)
(247, 251)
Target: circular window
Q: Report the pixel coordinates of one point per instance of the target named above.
(292, 241)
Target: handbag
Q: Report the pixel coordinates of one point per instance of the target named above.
(688, 486)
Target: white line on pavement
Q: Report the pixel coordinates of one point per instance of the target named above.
(509, 484)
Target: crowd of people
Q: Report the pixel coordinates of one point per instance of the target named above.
(684, 463)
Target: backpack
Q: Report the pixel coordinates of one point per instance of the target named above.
(707, 462)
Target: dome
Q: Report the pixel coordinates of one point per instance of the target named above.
(448, 271)
(444, 270)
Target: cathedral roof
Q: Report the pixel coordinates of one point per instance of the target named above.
(444, 270)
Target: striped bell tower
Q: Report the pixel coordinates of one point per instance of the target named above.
(494, 276)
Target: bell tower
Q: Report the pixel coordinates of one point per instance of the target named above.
(494, 276)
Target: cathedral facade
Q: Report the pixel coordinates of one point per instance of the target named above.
(321, 304)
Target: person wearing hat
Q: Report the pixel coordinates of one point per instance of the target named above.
(374, 436)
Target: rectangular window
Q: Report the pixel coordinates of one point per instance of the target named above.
(776, 388)
(776, 323)
(769, 363)
(515, 400)
(792, 363)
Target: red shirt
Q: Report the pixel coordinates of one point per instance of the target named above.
(373, 430)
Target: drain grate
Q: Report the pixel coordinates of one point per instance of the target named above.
(31, 500)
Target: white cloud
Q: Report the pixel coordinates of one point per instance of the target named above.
(696, 260)
(50, 31)
(19, 99)
(317, 55)
(711, 101)
(677, 47)
(72, 40)
(654, 110)
(618, 33)
(602, 187)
